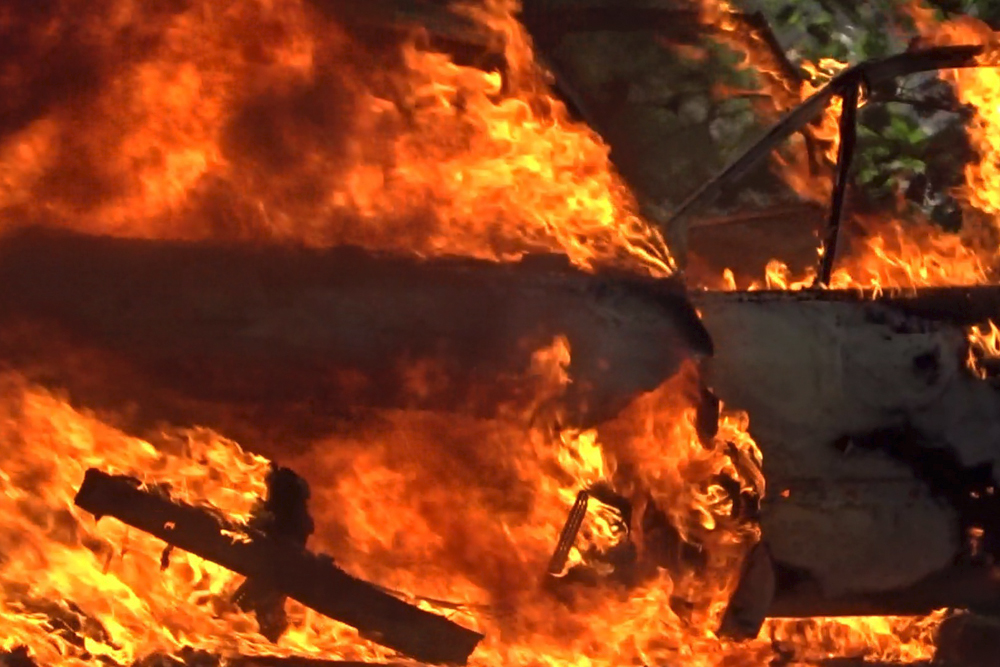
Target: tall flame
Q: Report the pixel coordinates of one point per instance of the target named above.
(266, 120)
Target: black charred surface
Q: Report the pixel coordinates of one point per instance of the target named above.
(310, 578)
(749, 603)
(253, 325)
(970, 490)
(968, 583)
(707, 416)
(284, 514)
(18, 656)
(664, 545)
(963, 586)
(966, 640)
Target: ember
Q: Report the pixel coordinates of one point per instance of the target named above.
(371, 245)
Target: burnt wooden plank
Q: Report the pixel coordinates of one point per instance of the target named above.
(312, 579)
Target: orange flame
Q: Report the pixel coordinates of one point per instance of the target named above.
(266, 120)
(454, 508)
(876, 638)
(984, 344)
(263, 120)
(781, 94)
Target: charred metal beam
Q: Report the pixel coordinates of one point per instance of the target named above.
(961, 306)
(845, 154)
(310, 578)
(568, 534)
(793, 122)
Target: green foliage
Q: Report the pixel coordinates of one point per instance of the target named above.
(890, 154)
(894, 152)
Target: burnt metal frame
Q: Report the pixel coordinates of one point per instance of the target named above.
(847, 86)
